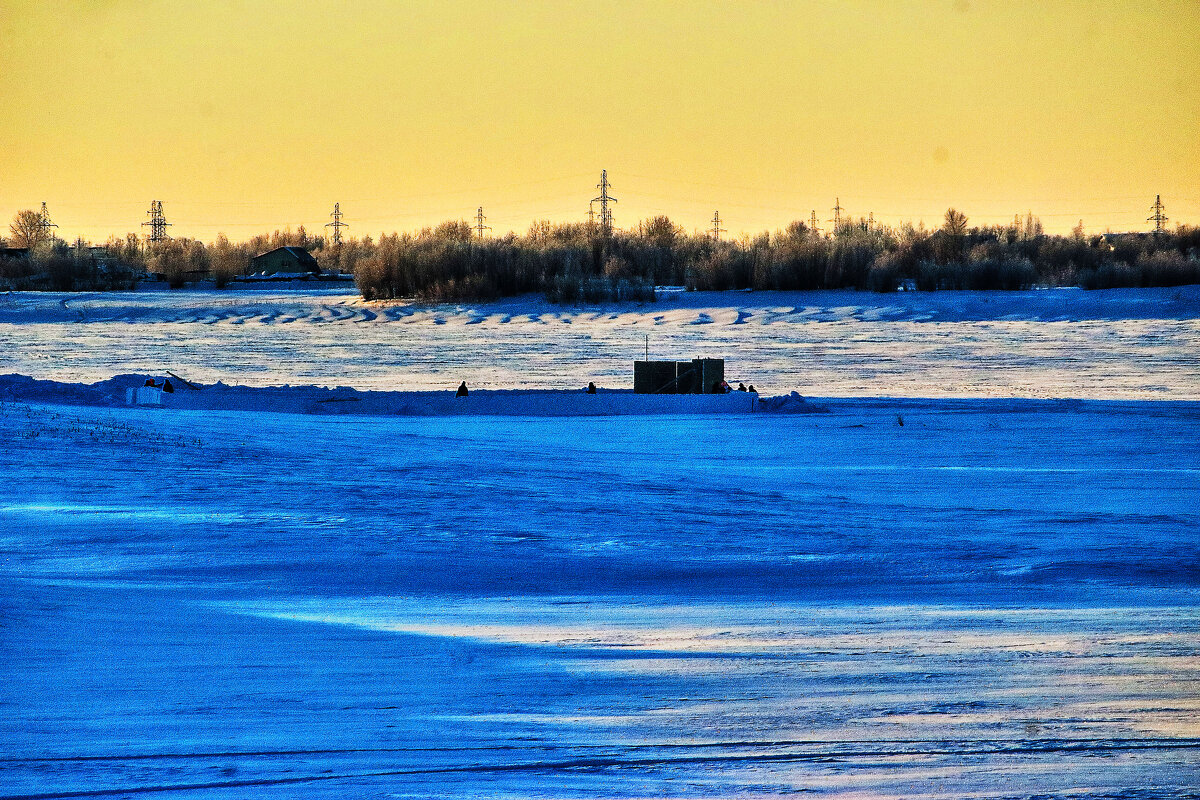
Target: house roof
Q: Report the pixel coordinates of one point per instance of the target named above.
(299, 253)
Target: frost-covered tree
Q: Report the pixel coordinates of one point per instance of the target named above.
(956, 222)
(27, 229)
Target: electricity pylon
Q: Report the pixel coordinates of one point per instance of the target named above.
(606, 220)
(45, 225)
(479, 220)
(837, 214)
(157, 223)
(716, 230)
(337, 224)
(1158, 218)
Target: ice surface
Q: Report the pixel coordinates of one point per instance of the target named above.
(990, 596)
(1120, 344)
(998, 598)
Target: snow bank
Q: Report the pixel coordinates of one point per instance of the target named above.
(132, 390)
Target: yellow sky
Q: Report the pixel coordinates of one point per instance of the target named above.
(246, 116)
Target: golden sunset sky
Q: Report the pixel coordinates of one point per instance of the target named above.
(242, 117)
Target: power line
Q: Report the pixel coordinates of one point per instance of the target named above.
(812, 222)
(337, 224)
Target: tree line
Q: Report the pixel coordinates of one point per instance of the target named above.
(583, 262)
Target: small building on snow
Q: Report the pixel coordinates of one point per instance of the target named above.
(285, 259)
(698, 376)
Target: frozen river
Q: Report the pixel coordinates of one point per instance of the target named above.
(1123, 344)
(983, 597)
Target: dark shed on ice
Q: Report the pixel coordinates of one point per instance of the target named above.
(697, 376)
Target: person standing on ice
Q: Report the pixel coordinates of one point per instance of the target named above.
(462, 390)
(591, 387)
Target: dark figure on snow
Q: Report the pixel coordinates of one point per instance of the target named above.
(167, 387)
(149, 382)
(591, 387)
(462, 390)
(752, 389)
(741, 387)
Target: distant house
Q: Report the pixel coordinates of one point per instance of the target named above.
(285, 260)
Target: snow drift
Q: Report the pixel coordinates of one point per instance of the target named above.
(123, 390)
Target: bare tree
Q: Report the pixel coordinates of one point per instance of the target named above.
(660, 231)
(27, 229)
(169, 259)
(227, 261)
(956, 222)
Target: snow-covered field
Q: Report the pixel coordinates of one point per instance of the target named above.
(1055, 343)
(990, 596)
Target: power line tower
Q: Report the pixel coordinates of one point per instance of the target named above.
(592, 214)
(871, 221)
(606, 220)
(45, 225)
(337, 224)
(837, 214)
(716, 229)
(479, 220)
(812, 222)
(1158, 218)
(157, 223)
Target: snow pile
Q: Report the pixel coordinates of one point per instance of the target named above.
(788, 404)
(134, 390)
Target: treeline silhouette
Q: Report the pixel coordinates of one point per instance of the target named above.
(582, 262)
(578, 262)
